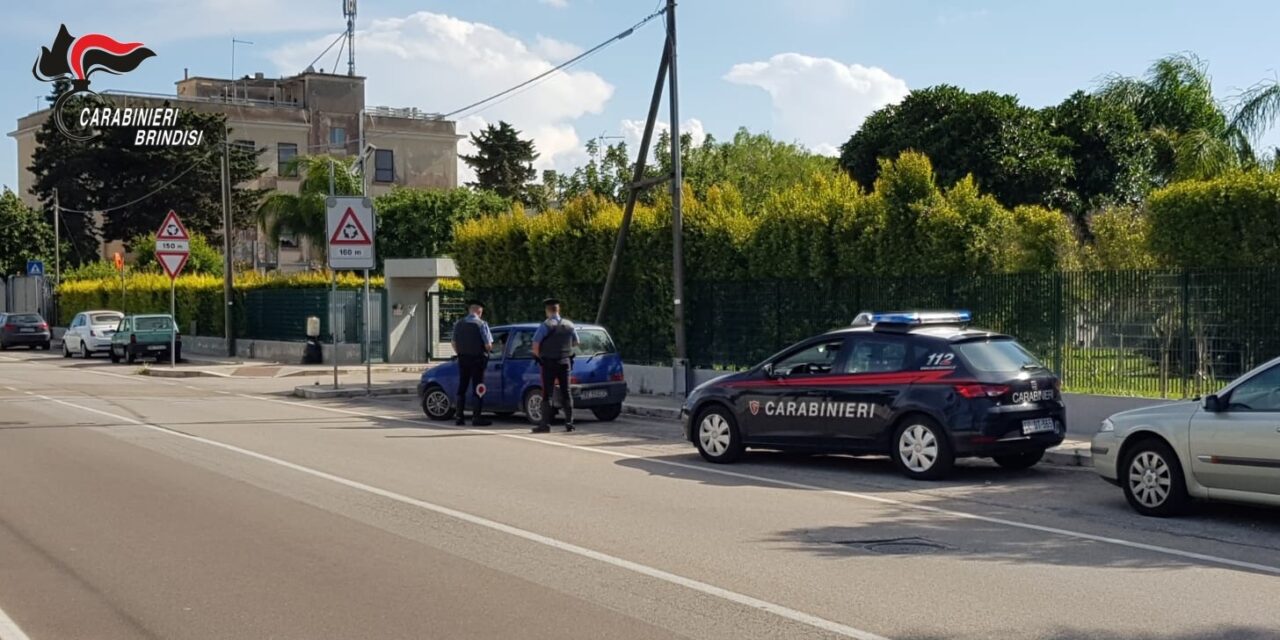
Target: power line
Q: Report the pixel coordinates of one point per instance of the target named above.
(155, 191)
(563, 65)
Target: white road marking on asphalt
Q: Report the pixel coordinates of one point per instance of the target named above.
(9, 629)
(1190, 555)
(689, 583)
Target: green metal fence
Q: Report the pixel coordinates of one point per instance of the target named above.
(1151, 333)
(281, 314)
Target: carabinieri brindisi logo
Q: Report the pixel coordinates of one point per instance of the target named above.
(77, 58)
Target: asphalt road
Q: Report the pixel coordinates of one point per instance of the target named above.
(134, 507)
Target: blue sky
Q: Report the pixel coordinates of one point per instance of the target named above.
(806, 70)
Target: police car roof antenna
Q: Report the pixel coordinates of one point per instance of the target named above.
(638, 183)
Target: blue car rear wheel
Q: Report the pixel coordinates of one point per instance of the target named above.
(437, 404)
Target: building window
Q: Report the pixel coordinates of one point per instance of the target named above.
(384, 165)
(337, 137)
(285, 153)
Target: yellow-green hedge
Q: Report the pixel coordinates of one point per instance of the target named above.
(197, 297)
(822, 227)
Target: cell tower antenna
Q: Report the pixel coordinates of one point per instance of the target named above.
(349, 10)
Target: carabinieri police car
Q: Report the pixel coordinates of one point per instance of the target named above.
(920, 387)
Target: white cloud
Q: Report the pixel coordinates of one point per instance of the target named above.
(439, 63)
(819, 101)
(161, 21)
(633, 130)
(559, 4)
(556, 51)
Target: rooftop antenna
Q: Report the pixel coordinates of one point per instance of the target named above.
(349, 10)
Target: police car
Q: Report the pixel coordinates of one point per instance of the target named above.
(920, 387)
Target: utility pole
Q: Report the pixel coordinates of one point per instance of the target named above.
(633, 190)
(333, 295)
(57, 240)
(228, 276)
(677, 188)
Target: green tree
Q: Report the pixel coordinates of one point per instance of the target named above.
(136, 185)
(418, 223)
(1110, 152)
(754, 164)
(607, 173)
(24, 235)
(503, 162)
(1005, 146)
(204, 258)
(1194, 135)
(303, 214)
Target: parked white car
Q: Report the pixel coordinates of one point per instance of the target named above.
(1225, 447)
(90, 331)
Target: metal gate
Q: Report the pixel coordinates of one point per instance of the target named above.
(444, 308)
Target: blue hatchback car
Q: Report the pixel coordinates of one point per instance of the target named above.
(512, 381)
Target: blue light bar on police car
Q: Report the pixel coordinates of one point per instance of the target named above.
(912, 318)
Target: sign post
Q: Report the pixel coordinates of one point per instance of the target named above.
(173, 249)
(119, 262)
(350, 229)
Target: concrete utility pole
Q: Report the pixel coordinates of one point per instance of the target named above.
(677, 184)
(228, 275)
(57, 240)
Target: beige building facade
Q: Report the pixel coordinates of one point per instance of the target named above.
(310, 113)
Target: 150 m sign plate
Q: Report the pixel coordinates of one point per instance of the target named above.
(350, 230)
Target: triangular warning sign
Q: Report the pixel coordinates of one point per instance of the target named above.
(172, 262)
(172, 229)
(349, 230)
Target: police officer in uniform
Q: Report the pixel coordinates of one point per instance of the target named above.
(553, 345)
(472, 341)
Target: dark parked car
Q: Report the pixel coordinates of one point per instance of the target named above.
(24, 329)
(512, 377)
(922, 388)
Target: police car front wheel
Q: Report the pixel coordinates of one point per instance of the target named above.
(921, 449)
(717, 436)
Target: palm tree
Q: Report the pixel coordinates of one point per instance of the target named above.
(304, 214)
(1194, 135)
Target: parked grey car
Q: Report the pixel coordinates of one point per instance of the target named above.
(1224, 446)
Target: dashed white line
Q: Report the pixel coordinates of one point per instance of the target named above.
(622, 563)
(9, 630)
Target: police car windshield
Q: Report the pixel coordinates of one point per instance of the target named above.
(593, 341)
(997, 355)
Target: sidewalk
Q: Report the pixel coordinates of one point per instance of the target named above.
(1073, 452)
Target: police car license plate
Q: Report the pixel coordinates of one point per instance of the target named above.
(593, 394)
(157, 347)
(27, 330)
(1038, 425)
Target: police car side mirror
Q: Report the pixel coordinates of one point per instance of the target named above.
(768, 370)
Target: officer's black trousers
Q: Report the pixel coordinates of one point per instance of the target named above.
(470, 373)
(555, 372)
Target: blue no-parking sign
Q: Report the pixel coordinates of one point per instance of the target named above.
(35, 268)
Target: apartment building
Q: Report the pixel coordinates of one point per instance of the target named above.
(307, 113)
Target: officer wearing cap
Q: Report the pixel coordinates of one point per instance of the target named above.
(472, 341)
(553, 345)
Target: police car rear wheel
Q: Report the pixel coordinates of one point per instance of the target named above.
(718, 439)
(921, 449)
(436, 404)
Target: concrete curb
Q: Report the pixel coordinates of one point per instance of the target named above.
(320, 392)
(650, 411)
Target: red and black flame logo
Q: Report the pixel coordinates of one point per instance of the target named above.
(76, 58)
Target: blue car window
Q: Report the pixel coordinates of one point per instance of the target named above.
(522, 344)
(499, 345)
(594, 341)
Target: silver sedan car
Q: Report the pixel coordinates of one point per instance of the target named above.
(1221, 447)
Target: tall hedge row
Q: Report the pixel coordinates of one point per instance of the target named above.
(197, 297)
(822, 227)
(1230, 221)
